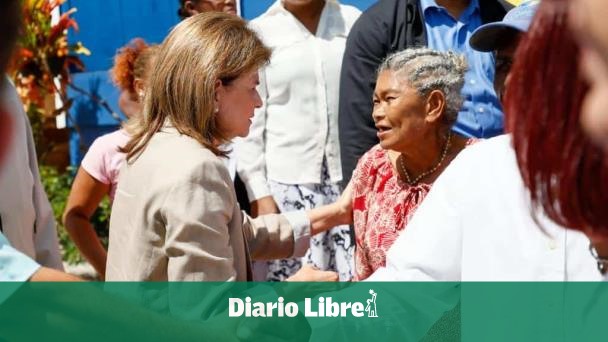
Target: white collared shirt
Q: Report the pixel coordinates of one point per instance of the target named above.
(297, 127)
(476, 225)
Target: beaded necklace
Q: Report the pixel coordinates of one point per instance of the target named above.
(428, 172)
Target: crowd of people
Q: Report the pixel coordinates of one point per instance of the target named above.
(363, 146)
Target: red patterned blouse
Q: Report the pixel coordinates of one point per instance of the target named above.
(382, 206)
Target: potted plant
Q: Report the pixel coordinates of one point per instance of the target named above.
(42, 65)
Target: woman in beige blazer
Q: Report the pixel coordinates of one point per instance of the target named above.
(175, 215)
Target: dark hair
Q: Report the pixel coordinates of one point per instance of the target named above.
(10, 22)
(181, 11)
(566, 174)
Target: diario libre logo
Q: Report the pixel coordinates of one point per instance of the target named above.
(321, 307)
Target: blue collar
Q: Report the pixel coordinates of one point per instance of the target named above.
(466, 14)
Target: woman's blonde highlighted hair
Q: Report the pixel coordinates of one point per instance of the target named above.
(197, 53)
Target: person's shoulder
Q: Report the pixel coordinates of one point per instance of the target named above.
(182, 145)
(10, 99)
(267, 19)
(484, 154)
(109, 143)
(383, 7)
(372, 160)
(266, 27)
(500, 142)
(186, 155)
(380, 16)
(115, 138)
(349, 13)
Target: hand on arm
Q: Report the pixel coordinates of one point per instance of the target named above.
(331, 215)
(45, 274)
(311, 273)
(85, 196)
(263, 206)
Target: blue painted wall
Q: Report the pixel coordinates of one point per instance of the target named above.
(253, 8)
(104, 27)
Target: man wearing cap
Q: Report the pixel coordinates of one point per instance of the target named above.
(393, 25)
(475, 224)
(502, 38)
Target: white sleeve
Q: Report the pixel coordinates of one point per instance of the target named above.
(250, 151)
(430, 246)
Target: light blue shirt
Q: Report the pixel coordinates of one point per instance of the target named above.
(481, 115)
(14, 267)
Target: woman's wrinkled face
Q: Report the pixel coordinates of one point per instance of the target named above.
(236, 103)
(399, 112)
(200, 6)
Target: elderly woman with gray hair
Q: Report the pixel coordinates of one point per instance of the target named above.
(416, 102)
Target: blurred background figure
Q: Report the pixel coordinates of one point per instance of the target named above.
(589, 20)
(189, 8)
(34, 254)
(97, 176)
(26, 216)
(291, 158)
(565, 172)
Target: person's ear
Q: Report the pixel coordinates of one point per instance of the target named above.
(435, 106)
(190, 7)
(219, 92)
(138, 85)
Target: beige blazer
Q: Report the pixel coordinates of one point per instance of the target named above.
(175, 218)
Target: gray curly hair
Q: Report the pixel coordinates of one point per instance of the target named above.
(427, 70)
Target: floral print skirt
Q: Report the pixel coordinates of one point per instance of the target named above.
(332, 250)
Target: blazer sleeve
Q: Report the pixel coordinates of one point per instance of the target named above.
(196, 214)
(367, 45)
(277, 236)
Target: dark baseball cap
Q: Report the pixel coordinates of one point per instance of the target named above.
(492, 36)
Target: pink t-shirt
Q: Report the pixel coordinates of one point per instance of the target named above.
(103, 160)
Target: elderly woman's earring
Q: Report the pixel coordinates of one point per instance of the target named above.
(216, 110)
(141, 95)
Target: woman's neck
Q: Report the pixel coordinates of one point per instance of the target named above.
(308, 14)
(454, 7)
(435, 152)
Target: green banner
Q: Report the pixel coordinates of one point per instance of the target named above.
(365, 311)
